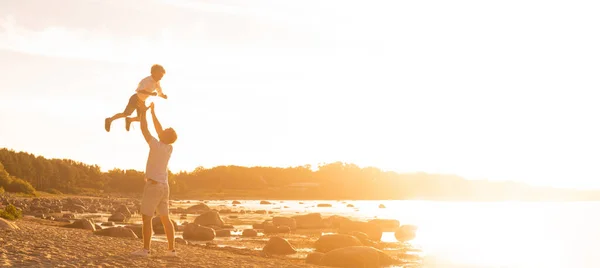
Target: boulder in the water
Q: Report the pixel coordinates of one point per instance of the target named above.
(196, 209)
(193, 231)
(387, 225)
(406, 233)
(249, 233)
(279, 246)
(357, 256)
(271, 229)
(223, 233)
(285, 221)
(309, 221)
(330, 242)
(209, 218)
(371, 229)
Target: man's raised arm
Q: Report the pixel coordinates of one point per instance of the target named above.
(144, 127)
(157, 125)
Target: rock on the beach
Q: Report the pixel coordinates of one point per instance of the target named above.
(82, 224)
(364, 238)
(249, 233)
(371, 229)
(335, 221)
(235, 202)
(7, 225)
(324, 205)
(196, 209)
(357, 256)
(330, 242)
(117, 217)
(137, 229)
(77, 208)
(309, 221)
(265, 202)
(387, 225)
(285, 221)
(123, 209)
(406, 233)
(117, 232)
(314, 258)
(271, 229)
(209, 218)
(194, 231)
(223, 233)
(279, 246)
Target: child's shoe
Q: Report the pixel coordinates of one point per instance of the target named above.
(107, 122)
(127, 123)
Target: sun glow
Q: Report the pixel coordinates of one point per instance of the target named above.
(409, 87)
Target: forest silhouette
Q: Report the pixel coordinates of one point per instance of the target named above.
(26, 173)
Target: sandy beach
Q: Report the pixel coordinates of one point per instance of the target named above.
(71, 232)
(39, 244)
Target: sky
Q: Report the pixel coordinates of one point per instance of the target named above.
(498, 90)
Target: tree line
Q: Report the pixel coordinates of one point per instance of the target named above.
(25, 172)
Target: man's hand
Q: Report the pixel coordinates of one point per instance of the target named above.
(151, 107)
(164, 96)
(153, 94)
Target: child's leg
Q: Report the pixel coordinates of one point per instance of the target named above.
(131, 106)
(140, 108)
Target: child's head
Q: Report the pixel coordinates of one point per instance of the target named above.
(157, 72)
(168, 136)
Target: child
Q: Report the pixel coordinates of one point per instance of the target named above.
(137, 101)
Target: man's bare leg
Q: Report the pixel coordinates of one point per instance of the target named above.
(169, 230)
(147, 230)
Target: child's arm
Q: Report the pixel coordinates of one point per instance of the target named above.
(157, 126)
(160, 92)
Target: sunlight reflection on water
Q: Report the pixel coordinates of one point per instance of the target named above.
(469, 234)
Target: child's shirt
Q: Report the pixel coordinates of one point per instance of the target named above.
(148, 85)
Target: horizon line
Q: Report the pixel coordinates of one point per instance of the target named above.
(314, 169)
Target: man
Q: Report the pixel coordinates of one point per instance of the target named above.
(156, 189)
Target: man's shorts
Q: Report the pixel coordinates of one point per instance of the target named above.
(155, 198)
(134, 104)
